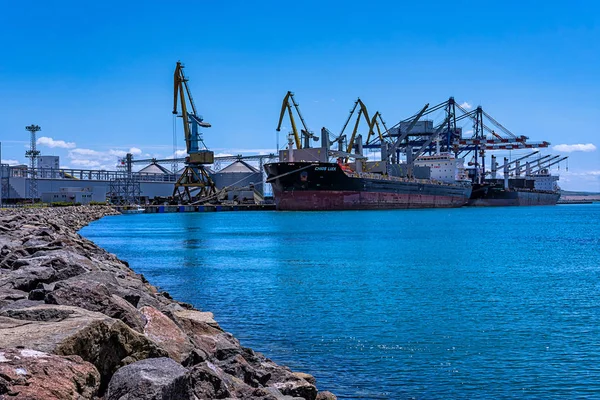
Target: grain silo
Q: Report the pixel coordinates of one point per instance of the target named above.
(238, 175)
(154, 169)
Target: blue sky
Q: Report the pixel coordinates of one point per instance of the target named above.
(97, 77)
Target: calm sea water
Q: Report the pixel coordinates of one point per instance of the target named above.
(425, 304)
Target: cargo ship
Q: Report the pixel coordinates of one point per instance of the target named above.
(302, 184)
(536, 188)
(495, 195)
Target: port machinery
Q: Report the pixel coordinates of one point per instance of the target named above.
(351, 145)
(488, 135)
(194, 177)
(301, 138)
(407, 136)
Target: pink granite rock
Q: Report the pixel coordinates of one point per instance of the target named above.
(29, 374)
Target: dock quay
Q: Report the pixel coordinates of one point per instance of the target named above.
(155, 209)
(575, 201)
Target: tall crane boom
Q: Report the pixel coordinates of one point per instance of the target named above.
(519, 159)
(286, 105)
(539, 170)
(377, 119)
(403, 135)
(431, 138)
(191, 121)
(362, 111)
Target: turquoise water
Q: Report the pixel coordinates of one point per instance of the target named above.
(424, 304)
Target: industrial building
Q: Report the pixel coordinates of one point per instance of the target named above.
(152, 182)
(75, 195)
(57, 182)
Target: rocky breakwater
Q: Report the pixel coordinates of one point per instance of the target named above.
(77, 323)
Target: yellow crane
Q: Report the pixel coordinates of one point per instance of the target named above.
(194, 176)
(373, 123)
(286, 105)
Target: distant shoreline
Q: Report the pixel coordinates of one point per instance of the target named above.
(576, 197)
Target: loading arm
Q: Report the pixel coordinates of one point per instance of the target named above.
(405, 134)
(518, 159)
(375, 123)
(362, 111)
(430, 139)
(533, 164)
(547, 163)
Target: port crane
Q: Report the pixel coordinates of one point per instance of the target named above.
(288, 104)
(377, 121)
(403, 135)
(488, 134)
(195, 177)
(517, 168)
(362, 111)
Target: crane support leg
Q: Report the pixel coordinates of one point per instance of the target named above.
(193, 178)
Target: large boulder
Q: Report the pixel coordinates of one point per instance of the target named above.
(307, 377)
(95, 296)
(105, 342)
(27, 374)
(151, 379)
(326, 395)
(9, 296)
(125, 284)
(27, 277)
(207, 335)
(207, 381)
(297, 388)
(163, 331)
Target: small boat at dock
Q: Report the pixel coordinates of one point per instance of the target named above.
(137, 209)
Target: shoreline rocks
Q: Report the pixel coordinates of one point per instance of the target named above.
(77, 323)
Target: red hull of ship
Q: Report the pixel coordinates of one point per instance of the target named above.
(322, 200)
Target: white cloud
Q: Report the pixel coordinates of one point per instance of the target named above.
(86, 163)
(580, 180)
(49, 142)
(569, 148)
(466, 105)
(10, 162)
(177, 154)
(89, 158)
(84, 152)
(122, 153)
(590, 173)
(223, 155)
